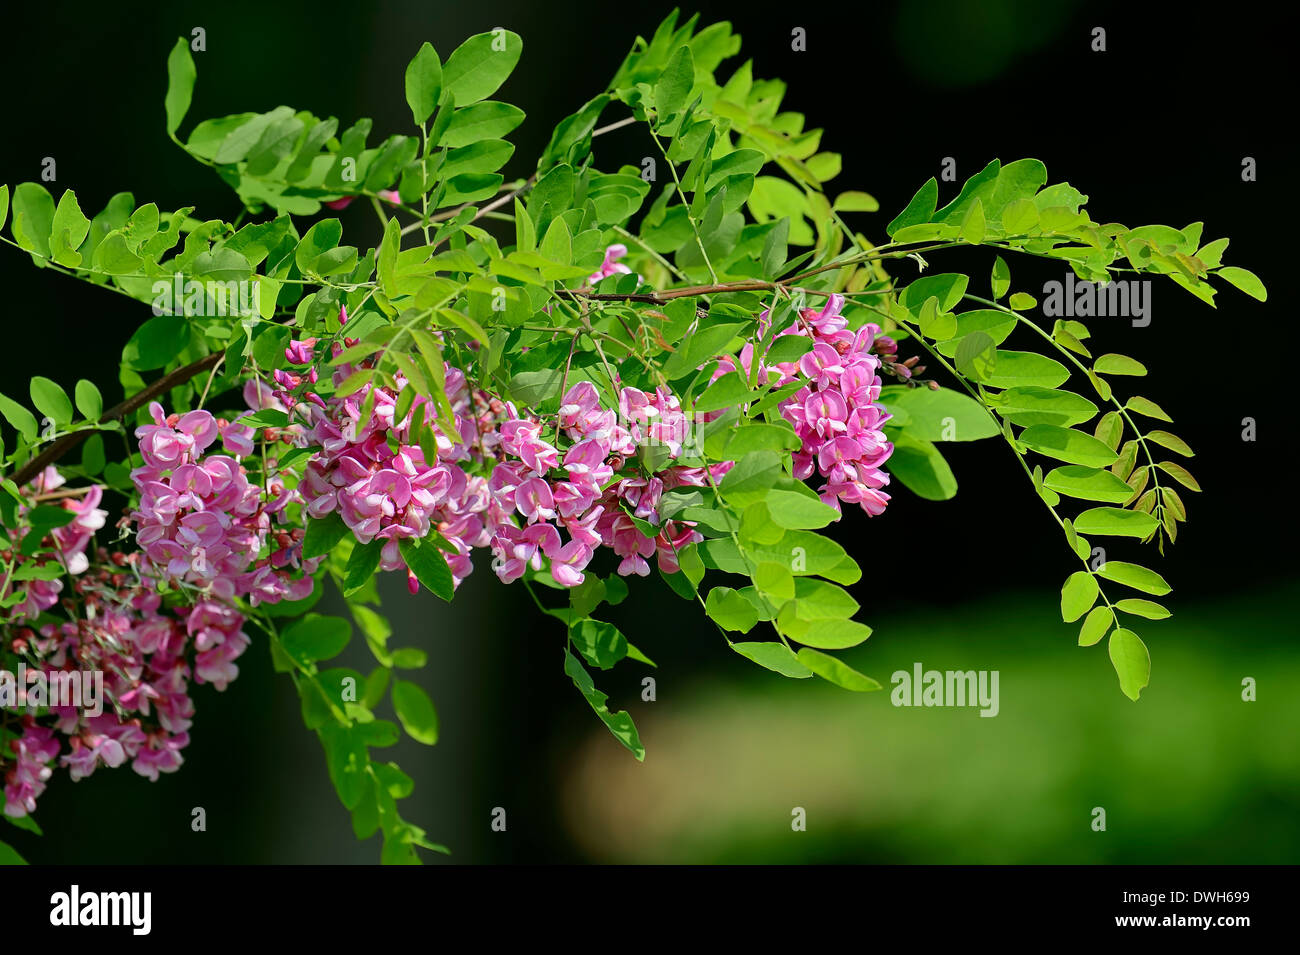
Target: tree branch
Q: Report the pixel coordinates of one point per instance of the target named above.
(63, 445)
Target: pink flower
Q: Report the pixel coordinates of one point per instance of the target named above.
(300, 352)
(609, 266)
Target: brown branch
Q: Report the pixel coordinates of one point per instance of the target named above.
(63, 445)
(660, 298)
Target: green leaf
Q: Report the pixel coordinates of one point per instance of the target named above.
(320, 238)
(477, 68)
(1145, 406)
(976, 354)
(675, 83)
(619, 723)
(266, 418)
(316, 637)
(415, 712)
(751, 478)
(729, 609)
(487, 120)
(1016, 180)
(1078, 595)
(114, 256)
(1180, 474)
(68, 230)
(180, 84)
(974, 223)
(93, 457)
(946, 287)
(1116, 522)
(805, 552)
(976, 188)
(773, 580)
(1135, 576)
(922, 469)
(729, 390)
(943, 415)
(789, 348)
(794, 510)
(854, 201)
(777, 657)
(1034, 405)
(51, 400)
(9, 855)
(323, 534)
(363, 564)
(707, 342)
(1142, 608)
(23, 421)
(1017, 369)
(375, 687)
(429, 566)
(919, 210)
(833, 634)
(1113, 364)
(820, 600)
(1131, 660)
(1172, 442)
(601, 643)
(1020, 217)
(776, 247)
(1001, 280)
(1095, 625)
(1066, 444)
(423, 83)
(836, 671)
(346, 757)
(33, 208)
(1245, 280)
(1090, 484)
(89, 401)
(1022, 302)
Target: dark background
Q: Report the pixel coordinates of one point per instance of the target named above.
(1153, 130)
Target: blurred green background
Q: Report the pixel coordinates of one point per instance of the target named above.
(1154, 130)
(1190, 775)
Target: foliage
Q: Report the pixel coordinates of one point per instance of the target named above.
(737, 249)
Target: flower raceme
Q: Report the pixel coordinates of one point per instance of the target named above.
(538, 492)
(146, 650)
(496, 481)
(552, 492)
(201, 522)
(837, 413)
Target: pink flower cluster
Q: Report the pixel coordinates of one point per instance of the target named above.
(555, 500)
(557, 491)
(118, 629)
(837, 413)
(375, 476)
(69, 542)
(577, 492)
(146, 655)
(33, 753)
(200, 521)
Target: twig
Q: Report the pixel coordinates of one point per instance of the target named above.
(69, 441)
